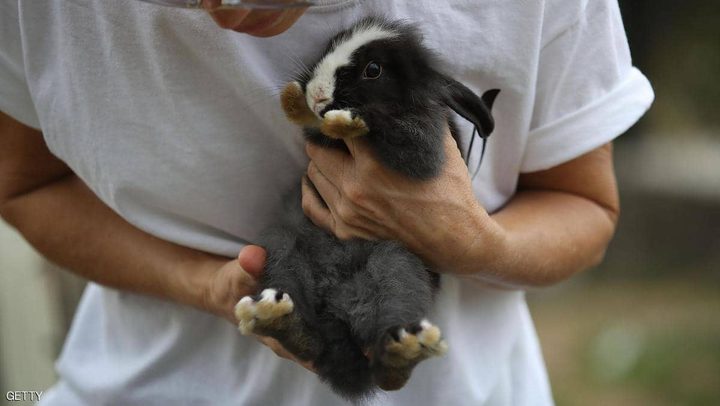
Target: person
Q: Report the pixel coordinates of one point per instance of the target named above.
(143, 147)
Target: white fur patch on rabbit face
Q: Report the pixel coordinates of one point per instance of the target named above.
(320, 88)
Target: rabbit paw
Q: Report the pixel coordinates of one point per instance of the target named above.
(343, 124)
(263, 310)
(295, 106)
(412, 344)
(402, 349)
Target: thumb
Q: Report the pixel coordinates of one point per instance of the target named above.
(355, 146)
(252, 260)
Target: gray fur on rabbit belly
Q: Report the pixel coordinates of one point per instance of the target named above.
(351, 296)
(357, 308)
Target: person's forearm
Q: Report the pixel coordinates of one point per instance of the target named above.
(541, 237)
(558, 223)
(69, 225)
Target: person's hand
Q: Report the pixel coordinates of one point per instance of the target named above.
(259, 23)
(231, 281)
(281, 352)
(438, 219)
(236, 279)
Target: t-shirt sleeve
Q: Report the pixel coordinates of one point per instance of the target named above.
(15, 99)
(587, 90)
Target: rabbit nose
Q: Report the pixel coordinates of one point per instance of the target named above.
(320, 99)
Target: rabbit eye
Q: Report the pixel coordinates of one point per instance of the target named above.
(373, 70)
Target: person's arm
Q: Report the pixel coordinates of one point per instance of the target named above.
(561, 220)
(56, 212)
(558, 223)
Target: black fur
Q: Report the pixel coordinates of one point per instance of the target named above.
(349, 293)
(353, 296)
(407, 107)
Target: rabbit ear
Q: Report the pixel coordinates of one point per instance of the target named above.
(471, 107)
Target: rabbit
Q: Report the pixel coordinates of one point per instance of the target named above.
(357, 308)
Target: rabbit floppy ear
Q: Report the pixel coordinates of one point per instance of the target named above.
(471, 107)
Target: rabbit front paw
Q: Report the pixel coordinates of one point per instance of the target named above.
(265, 311)
(343, 124)
(295, 106)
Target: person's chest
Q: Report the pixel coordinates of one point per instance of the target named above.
(161, 111)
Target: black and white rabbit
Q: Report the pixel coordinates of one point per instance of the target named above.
(357, 308)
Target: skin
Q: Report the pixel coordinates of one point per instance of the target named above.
(92, 241)
(559, 222)
(34, 183)
(259, 23)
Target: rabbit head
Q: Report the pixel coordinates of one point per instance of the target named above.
(381, 76)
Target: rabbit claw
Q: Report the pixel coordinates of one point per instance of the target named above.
(402, 349)
(412, 344)
(343, 124)
(270, 306)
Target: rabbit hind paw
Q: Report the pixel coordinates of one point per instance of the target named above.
(264, 310)
(412, 344)
(402, 348)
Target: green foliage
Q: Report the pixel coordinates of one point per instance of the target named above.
(652, 342)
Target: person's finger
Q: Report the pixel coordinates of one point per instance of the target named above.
(314, 208)
(451, 146)
(307, 365)
(333, 163)
(357, 146)
(275, 346)
(288, 19)
(328, 191)
(259, 23)
(323, 217)
(229, 18)
(252, 260)
(281, 352)
(335, 218)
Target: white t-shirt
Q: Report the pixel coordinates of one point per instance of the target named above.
(176, 125)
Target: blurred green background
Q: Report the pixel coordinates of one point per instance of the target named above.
(641, 329)
(644, 327)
